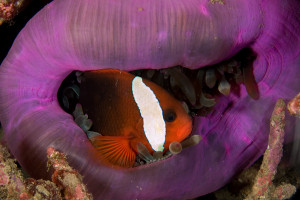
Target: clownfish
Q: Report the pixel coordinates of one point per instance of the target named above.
(127, 110)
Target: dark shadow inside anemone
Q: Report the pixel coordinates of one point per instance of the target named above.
(198, 90)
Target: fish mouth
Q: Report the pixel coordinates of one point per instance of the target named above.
(199, 90)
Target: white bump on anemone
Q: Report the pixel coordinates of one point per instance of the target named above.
(151, 112)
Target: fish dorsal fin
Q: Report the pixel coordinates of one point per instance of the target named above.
(115, 149)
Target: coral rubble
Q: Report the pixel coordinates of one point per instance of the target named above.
(9, 8)
(263, 187)
(67, 182)
(294, 105)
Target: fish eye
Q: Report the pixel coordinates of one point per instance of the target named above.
(169, 116)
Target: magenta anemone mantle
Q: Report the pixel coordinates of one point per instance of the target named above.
(70, 35)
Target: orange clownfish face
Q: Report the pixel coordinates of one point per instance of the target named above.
(127, 111)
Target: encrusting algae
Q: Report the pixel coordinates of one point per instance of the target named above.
(9, 9)
(66, 182)
(263, 187)
(294, 106)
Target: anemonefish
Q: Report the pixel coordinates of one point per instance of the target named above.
(127, 110)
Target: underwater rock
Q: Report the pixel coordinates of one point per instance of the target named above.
(67, 182)
(9, 9)
(294, 105)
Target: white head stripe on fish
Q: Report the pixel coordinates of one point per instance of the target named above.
(151, 112)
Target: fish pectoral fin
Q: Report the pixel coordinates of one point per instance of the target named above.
(115, 149)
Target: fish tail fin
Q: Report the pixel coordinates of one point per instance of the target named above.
(115, 150)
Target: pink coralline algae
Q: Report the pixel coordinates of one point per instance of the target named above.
(294, 106)
(67, 183)
(9, 8)
(263, 187)
(82, 35)
(68, 179)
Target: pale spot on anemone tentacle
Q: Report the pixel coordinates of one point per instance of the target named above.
(175, 147)
(151, 112)
(203, 10)
(162, 35)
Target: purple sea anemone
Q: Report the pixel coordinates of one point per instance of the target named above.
(70, 35)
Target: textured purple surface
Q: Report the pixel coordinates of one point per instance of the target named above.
(93, 34)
